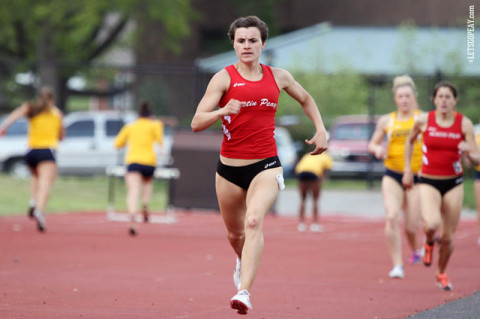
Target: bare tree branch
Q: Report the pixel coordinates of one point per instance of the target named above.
(94, 34)
(21, 39)
(109, 40)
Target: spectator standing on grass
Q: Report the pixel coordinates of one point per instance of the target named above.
(396, 198)
(310, 171)
(249, 173)
(45, 130)
(140, 137)
(447, 136)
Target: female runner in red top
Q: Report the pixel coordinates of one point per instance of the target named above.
(447, 135)
(249, 173)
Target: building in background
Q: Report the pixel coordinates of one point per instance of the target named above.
(209, 31)
(326, 48)
(331, 35)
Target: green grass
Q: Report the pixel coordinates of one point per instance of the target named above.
(469, 195)
(78, 103)
(72, 194)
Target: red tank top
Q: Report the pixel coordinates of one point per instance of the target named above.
(250, 134)
(441, 155)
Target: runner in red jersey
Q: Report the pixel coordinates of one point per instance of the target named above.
(249, 173)
(441, 156)
(250, 133)
(447, 135)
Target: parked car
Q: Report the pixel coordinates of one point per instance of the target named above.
(87, 147)
(286, 150)
(348, 147)
(12, 148)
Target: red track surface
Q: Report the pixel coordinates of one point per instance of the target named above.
(87, 267)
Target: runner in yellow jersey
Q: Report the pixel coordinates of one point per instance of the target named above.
(140, 159)
(45, 129)
(396, 126)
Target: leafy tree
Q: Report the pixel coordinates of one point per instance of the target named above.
(335, 94)
(265, 10)
(55, 39)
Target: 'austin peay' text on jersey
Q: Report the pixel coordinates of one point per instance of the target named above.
(250, 134)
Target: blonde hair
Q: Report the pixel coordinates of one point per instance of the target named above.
(403, 80)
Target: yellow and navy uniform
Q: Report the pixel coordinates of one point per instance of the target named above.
(44, 129)
(140, 137)
(315, 164)
(397, 132)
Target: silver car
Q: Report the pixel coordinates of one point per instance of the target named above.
(87, 147)
(286, 150)
(13, 147)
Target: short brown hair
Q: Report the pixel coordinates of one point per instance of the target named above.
(445, 84)
(247, 22)
(144, 109)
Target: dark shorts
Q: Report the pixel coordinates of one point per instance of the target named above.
(398, 177)
(442, 185)
(307, 176)
(146, 170)
(476, 175)
(242, 176)
(37, 155)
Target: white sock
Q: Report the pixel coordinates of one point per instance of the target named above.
(32, 202)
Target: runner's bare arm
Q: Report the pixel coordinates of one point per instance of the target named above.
(418, 127)
(286, 82)
(375, 145)
(206, 115)
(16, 114)
(469, 147)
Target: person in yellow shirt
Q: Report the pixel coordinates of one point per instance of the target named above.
(476, 186)
(45, 130)
(310, 172)
(396, 126)
(140, 159)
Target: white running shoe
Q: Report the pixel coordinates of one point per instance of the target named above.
(316, 228)
(301, 227)
(396, 272)
(40, 220)
(237, 274)
(241, 302)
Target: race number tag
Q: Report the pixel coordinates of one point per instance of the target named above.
(457, 167)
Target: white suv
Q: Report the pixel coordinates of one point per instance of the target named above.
(12, 148)
(87, 147)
